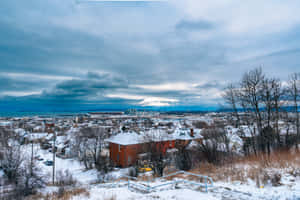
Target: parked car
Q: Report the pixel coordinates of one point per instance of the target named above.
(39, 158)
(48, 162)
(55, 149)
(46, 146)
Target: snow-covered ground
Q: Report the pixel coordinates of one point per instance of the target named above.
(98, 193)
(74, 166)
(289, 190)
(221, 191)
(180, 128)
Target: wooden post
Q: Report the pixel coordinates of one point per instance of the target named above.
(206, 184)
(128, 182)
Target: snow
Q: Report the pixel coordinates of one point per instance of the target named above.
(74, 166)
(97, 193)
(221, 190)
(35, 136)
(129, 138)
(236, 190)
(89, 179)
(20, 131)
(185, 134)
(246, 131)
(126, 138)
(5, 123)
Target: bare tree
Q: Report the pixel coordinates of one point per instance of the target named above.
(251, 90)
(294, 92)
(90, 143)
(5, 134)
(271, 97)
(20, 171)
(183, 157)
(231, 98)
(215, 145)
(278, 98)
(12, 161)
(263, 99)
(30, 179)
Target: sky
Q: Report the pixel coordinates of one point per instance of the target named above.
(172, 54)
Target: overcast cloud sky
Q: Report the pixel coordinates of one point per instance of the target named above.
(69, 55)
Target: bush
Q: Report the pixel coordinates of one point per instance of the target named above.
(183, 159)
(29, 180)
(295, 172)
(215, 146)
(266, 177)
(276, 179)
(61, 192)
(65, 178)
(200, 124)
(104, 164)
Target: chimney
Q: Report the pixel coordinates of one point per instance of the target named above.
(192, 132)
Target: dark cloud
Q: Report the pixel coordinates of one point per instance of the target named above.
(93, 85)
(78, 54)
(24, 84)
(76, 94)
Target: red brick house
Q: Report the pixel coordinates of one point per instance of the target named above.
(124, 148)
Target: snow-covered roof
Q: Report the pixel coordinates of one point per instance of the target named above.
(5, 123)
(156, 135)
(185, 134)
(246, 131)
(35, 136)
(20, 131)
(1, 173)
(126, 138)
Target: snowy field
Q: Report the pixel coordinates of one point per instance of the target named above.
(221, 191)
(289, 190)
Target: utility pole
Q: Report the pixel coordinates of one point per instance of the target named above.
(31, 163)
(54, 152)
(51, 129)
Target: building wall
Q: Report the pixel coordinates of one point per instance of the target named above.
(131, 153)
(126, 155)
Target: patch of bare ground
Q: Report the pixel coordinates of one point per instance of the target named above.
(61, 195)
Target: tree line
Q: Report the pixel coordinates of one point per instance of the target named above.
(268, 105)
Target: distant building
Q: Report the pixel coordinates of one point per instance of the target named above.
(6, 124)
(104, 114)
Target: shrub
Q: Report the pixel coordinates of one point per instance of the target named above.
(295, 172)
(275, 180)
(183, 159)
(65, 178)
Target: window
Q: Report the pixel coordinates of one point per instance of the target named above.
(119, 148)
(129, 159)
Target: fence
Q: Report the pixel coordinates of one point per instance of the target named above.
(204, 182)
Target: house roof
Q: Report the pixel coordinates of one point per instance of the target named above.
(126, 138)
(184, 134)
(156, 135)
